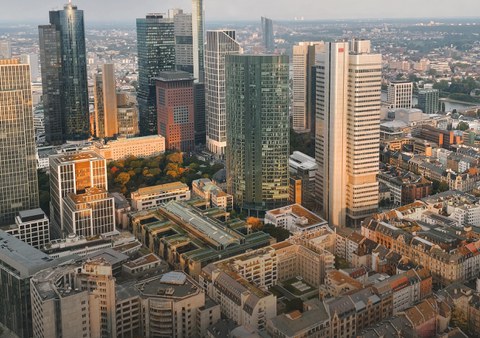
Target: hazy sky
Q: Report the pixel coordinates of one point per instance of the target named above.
(125, 10)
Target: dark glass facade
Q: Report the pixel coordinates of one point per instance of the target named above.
(64, 76)
(257, 102)
(156, 53)
(267, 34)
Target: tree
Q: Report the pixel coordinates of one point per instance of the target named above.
(254, 223)
(175, 158)
(122, 179)
(443, 107)
(463, 126)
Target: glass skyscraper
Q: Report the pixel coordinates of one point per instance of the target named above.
(64, 76)
(18, 165)
(257, 131)
(198, 30)
(156, 53)
(267, 34)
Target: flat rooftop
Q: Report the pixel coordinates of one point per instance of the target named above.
(202, 224)
(76, 157)
(298, 211)
(174, 76)
(19, 257)
(158, 189)
(174, 284)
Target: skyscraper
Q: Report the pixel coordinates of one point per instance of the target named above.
(5, 49)
(156, 53)
(176, 110)
(428, 100)
(219, 44)
(267, 34)
(183, 41)
(73, 174)
(127, 115)
(198, 30)
(257, 131)
(18, 165)
(348, 135)
(400, 94)
(106, 124)
(303, 61)
(64, 76)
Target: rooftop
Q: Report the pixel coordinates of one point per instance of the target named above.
(159, 189)
(65, 158)
(174, 76)
(299, 212)
(175, 284)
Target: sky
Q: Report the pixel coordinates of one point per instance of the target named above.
(36, 11)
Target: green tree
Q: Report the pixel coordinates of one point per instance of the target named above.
(463, 126)
(122, 179)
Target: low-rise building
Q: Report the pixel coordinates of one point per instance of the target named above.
(206, 189)
(145, 146)
(32, 227)
(154, 196)
(294, 218)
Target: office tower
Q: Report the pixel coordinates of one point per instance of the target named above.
(31, 227)
(428, 100)
(74, 300)
(18, 263)
(106, 123)
(199, 112)
(183, 41)
(127, 115)
(73, 174)
(347, 141)
(156, 53)
(303, 118)
(219, 44)
(18, 177)
(267, 34)
(176, 110)
(257, 150)
(5, 50)
(400, 94)
(64, 76)
(198, 23)
(32, 61)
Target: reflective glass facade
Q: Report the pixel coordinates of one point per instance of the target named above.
(156, 53)
(64, 76)
(257, 131)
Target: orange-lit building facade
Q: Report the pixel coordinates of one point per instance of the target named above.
(175, 108)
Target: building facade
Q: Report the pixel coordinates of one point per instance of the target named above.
(31, 227)
(267, 34)
(64, 76)
(348, 133)
(198, 31)
(18, 182)
(257, 131)
(106, 117)
(153, 197)
(121, 148)
(127, 115)
(183, 41)
(176, 116)
(400, 94)
(219, 43)
(303, 62)
(428, 100)
(156, 53)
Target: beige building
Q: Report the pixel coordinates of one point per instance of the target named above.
(294, 218)
(74, 301)
(303, 61)
(146, 146)
(400, 94)
(32, 227)
(348, 134)
(206, 189)
(127, 115)
(153, 197)
(105, 102)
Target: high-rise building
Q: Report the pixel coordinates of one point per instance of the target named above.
(267, 34)
(64, 76)
(73, 174)
(5, 49)
(183, 41)
(156, 53)
(257, 131)
(127, 115)
(19, 261)
(347, 135)
(303, 116)
(106, 119)
(198, 30)
(199, 112)
(176, 110)
(219, 44)
(32, 61)
(400, 94)
(18, 178)
(428, 100)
